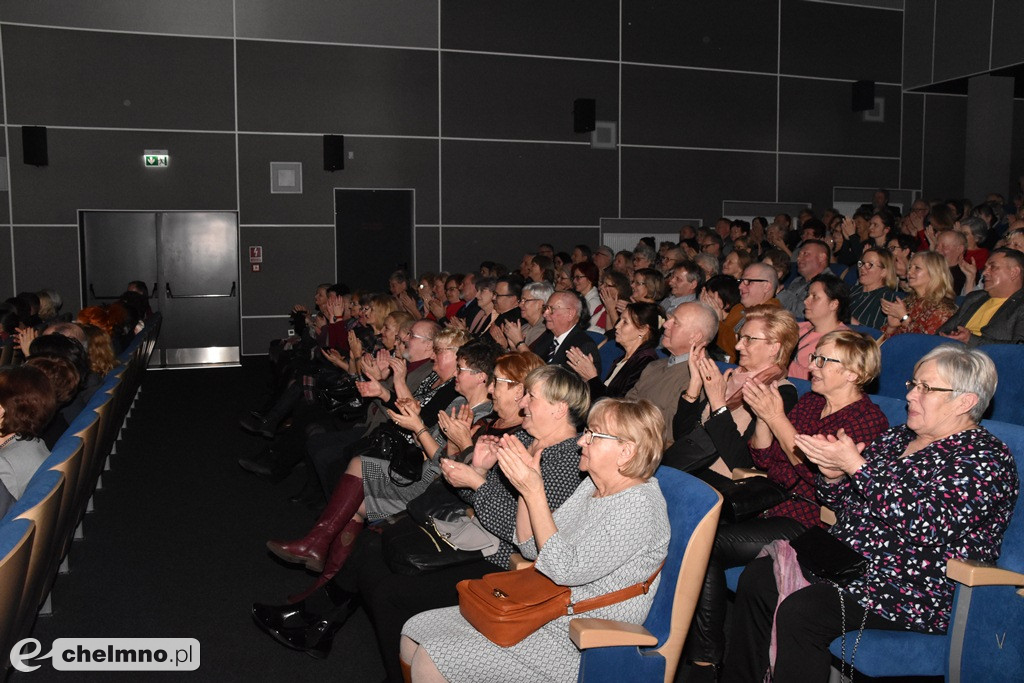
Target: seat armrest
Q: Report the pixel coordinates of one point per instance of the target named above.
(517, 562)
(975, 573)
(747, 473)
(588, 633)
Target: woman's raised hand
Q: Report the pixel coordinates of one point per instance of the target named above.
(764, 400)
(834, 455)
(519, 467)
(485, 452)
(581, 363)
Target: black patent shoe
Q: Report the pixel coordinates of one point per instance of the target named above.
(282, 616)
(314, 639)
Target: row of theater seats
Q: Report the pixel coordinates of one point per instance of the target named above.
(37, 531)
(899, 354)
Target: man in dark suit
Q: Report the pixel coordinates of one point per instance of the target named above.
(562, 318)
(993, 315)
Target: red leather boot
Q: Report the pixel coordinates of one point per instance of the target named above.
(311, 550)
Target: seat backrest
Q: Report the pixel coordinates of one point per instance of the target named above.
(41, 504)
(1009, 397)
(15, 550)
(864, 329)
(86, 427)
(611, 352)
(895, 409)
(1011, 555)
(899, 354)
(66, 458)
(693, 509)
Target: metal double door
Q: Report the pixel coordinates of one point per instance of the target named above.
(190, 262)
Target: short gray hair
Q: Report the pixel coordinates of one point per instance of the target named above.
(704, 318)
(561, 386)
(768, 273)
(645, 250)
(708, 261)
(541, 290)
(968, 371)
(572, 300)
(977, 226)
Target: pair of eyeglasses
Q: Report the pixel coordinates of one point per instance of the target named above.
(638, 284)
(498, 296)
(749, 280)
(552, 309)
(505, 380)
(867, 265)
(526, 301)
(579, 277)
(442, 349)
(589, 435)
(924, 388)
(420, 336)
(746, 338)
(819, 360)
(469, 370)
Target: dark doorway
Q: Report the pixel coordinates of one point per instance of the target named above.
(373, 234)
(190, 259)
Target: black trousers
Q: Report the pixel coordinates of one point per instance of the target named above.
(392, 599)
(807, 621)
(735, 545)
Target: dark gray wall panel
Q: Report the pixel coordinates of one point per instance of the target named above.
(295, 261)
(463, 248)
(92, 169)
(257, 333)
(815, 116)
(47, 257)
(664, 106)
(377, 163)
(1016, 150)
(838, 41)
(1007, 47)
(675, 183)
(5, 208)
(963, 31)
(188, 17)
(428, 249)
(723, 34)
(410, 23)
(811, 179)
(6, 265)
(918, 22)
(336, 89)
(491, 96)
(495, 183)
(945, 121)
(85, 78)
(913, 124)
(569, 28)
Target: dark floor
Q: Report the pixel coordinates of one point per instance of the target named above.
(176, 544)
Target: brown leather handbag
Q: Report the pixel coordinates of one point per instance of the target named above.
(508, 606)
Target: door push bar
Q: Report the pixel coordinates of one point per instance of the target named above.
(171, 295)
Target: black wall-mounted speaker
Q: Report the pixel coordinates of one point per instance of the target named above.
(334, 152)
(33, 145)
(584, 115)
(862, 96)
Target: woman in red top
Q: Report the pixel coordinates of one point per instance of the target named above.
(841, 365)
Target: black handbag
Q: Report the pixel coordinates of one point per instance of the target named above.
(747, 498)
(411, 548)
(826, 557)
(405, 460)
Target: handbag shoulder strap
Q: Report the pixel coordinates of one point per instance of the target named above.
(615, 596)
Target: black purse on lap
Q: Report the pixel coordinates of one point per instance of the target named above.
(828, 558)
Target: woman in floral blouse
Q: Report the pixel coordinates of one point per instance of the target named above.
(936, 488)
(930, 302)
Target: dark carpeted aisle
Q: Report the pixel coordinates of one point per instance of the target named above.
(175, 546)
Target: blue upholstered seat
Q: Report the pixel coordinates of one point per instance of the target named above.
(693, 509)
(899, 354)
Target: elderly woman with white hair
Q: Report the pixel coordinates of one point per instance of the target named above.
(520, 335)
(938, 487)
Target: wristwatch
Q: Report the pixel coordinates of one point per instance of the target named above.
(719, 411)
(905, 318)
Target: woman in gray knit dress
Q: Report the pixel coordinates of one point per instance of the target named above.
(612, 533)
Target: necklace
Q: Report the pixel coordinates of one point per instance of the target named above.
(7, 439)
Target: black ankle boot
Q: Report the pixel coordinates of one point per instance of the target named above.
(310, 634)
(294, 615)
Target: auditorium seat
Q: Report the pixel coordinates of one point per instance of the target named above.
(1008, 402)
(899, 354)
(15, 551)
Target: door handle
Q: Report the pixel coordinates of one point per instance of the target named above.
(171, 295)
(97, 296)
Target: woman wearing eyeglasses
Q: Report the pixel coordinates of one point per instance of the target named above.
(930, 302)
(638, 332)
(585, 277)
(841, 365)
(877, 282)
(648, 286)
(936, 488)
(826, 309)
(612, 533)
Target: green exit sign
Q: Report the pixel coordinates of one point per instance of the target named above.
(154, 158)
